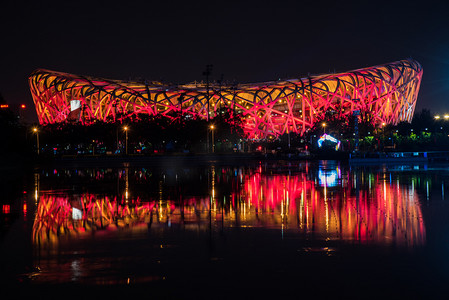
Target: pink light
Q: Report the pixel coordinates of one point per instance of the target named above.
(269, 200)
(290, 109)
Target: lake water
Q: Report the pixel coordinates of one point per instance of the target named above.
(222, 230)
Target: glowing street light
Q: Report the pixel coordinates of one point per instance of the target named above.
(383, 129)
(437, 117)
(126, 139)
(324, 127)
(212, 130)
(383, 134)
(35, 130)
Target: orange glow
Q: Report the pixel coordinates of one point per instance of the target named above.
(278, 103)
(329, 205)
(4, 106)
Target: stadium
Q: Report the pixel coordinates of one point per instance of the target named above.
(388, 93)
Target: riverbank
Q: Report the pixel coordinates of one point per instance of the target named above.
(12, 162)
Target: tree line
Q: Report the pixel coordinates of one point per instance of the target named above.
(188, 134)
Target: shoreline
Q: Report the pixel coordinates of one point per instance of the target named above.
(14, 161)
(161, 160)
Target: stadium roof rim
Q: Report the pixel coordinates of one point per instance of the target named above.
(213, 85)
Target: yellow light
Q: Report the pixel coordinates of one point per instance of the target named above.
(125, 128)
(211, 126)
(324, 124)
(437, 117)
(35, 129)
(383, 123)
(446, 116)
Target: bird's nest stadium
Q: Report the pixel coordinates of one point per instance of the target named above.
(388, 93)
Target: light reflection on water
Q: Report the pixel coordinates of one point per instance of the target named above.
(325, 202)
(376, 231)
(264, 223)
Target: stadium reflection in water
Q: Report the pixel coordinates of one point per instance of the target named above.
(327, 201)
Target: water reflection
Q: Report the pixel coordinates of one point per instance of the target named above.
(324, 202)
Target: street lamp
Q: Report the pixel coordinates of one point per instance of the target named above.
(324, 127)
(212, 130)
(126, 139)
(37, 138)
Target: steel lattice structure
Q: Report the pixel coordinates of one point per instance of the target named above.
(388, 92)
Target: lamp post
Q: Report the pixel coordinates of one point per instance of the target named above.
(324, 128)
(212, 130)
(126, 139)
(37, 138)
(116, 141)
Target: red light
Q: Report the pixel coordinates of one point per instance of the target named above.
(4, 106)
(6, 209)
(23, 106)
(278, 112)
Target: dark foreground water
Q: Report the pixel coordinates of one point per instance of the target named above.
(220, 231)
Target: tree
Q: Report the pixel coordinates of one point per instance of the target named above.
(422, 120)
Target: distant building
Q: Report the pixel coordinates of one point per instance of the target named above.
(388, 92)
(17, 110)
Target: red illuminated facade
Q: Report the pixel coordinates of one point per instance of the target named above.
(387, 92)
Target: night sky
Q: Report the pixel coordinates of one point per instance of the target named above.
(245, 42)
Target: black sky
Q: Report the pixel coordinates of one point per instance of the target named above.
(245, 41)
